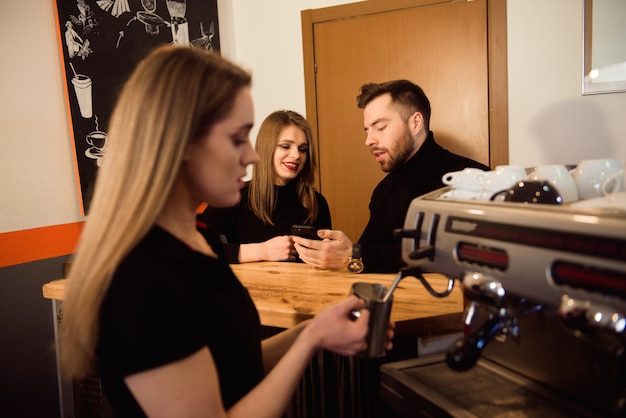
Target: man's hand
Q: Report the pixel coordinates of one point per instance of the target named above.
(332, 252)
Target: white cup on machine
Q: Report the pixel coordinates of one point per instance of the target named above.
(560, 177)
(468, 179)
(460, 194)
(502, 178)
(466, 184)
(590, 175)
(614, 183)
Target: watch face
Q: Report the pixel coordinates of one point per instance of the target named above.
(355, 266)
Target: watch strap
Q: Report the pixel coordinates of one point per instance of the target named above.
(355, 264)
(356, 250)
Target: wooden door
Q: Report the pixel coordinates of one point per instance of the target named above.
(442, 47)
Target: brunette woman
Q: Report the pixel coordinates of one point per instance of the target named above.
(280, 194)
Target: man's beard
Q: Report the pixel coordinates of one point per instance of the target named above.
(400, 153)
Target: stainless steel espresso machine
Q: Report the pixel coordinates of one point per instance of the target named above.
(545, 287)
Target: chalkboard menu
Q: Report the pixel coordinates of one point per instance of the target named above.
(101, 42)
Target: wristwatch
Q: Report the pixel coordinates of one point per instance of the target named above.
(355, 263)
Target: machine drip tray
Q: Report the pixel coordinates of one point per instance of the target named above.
(427, 387)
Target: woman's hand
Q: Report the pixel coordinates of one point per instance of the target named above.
(275, 249)
(279, 249)
(335, 330)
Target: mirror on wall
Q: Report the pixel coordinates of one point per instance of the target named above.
(605, 46)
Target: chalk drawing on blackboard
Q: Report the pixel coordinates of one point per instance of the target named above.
(82, 87)
(149, 5)
(178, 23)
(97, 141)
(116, 7)
(76, 46)
(101, 42)
(85, 17)
(206, 40)
(152, 21)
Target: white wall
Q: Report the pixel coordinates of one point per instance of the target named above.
(549, 119)
(37, 181)
(268, 41)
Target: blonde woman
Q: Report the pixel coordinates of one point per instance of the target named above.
(279, 195)
(150, 303)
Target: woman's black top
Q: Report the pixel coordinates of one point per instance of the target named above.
(166, 302)
(239, 225)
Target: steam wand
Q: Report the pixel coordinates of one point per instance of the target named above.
(417, 273)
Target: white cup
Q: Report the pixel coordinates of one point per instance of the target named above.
(468, 179)
(461, 194)
(614, 183)
(503, 177)
(560, 178)
(485, 195)
(589, 175)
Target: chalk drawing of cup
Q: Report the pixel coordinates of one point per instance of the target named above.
(98, 142)
(82, 87)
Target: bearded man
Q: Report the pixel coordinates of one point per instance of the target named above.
(396, 117)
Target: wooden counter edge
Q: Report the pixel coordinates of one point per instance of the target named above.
(442, 324)
(54, 289)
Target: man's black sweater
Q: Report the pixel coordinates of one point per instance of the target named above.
(391, 198)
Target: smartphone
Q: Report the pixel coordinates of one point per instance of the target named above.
(305, 231)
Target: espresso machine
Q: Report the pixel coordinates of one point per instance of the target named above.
(545, 317)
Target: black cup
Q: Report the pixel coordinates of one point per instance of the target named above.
(532, 191)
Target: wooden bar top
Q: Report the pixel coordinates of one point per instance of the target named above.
(288, 293)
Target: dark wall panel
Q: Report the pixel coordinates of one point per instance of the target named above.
(28, 374)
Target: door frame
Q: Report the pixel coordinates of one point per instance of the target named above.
(496, 55)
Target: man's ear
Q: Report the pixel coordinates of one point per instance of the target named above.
(416, 122)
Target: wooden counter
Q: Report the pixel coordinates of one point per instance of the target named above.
(333, 385)
(288, 293)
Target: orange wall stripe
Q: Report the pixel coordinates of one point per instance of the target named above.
(201, 208)
(38, 244)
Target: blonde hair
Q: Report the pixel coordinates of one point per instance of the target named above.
(262, 191)
(175, 95)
